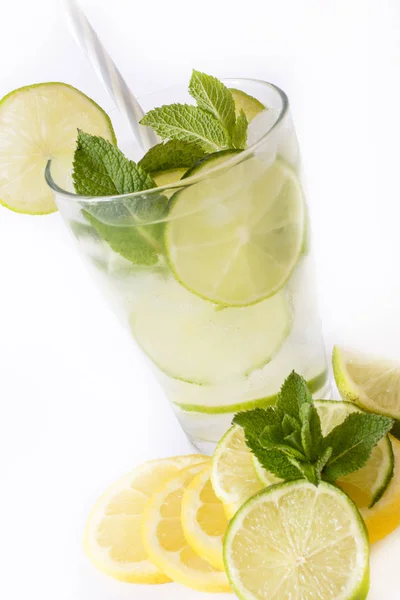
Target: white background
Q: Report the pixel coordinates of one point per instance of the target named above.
(78, 408)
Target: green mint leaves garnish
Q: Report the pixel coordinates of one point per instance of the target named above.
(189, 124)
(211, 95)
(212, 124)
(101, 169)
(287, 439)
(174, 154)
(351, 443)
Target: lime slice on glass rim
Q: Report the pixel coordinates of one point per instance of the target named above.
(234, 238)
(367, 485)
(192, 340)
(250, 105)
(37, 123)
(295, 537)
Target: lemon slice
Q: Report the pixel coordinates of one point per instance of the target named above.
(38, 123)
(113, 535)
(166, 544)
(235, 237)
(204, 520)
(233, 472)
(384, 517)
(296, 540)
(370, 382)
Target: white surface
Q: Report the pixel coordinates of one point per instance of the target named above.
(78, 408)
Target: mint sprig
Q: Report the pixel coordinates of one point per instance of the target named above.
(189, 124)
(213, 96)
(212, 124)
(101, 169)
(174, 154)
(287, 438)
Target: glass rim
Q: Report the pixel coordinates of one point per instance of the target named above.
(194, 178)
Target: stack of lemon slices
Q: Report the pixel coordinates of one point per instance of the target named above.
(222, 523)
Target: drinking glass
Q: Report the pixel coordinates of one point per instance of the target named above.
(212, 275)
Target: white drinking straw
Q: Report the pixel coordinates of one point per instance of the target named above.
(89, 42)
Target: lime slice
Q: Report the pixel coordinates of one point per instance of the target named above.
(314, 385)
(233, 474)
(234, 238)
(209, 162)
(168, 176)
(367, 485)
(372, 383)
(250, 106)
(384, 517)
(38, 123)
(296, 540)
(193, 340)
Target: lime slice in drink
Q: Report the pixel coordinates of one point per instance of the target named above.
(250, 106)
(296, 540)
(372, 383)
(235, 237)
(191, 339)
(169, 176)
(210, 162)
(38, 123)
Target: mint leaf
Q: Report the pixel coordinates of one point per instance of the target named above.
(289, 425)
(323, 459)
(308, 470)
(239, 132)
(100, 169)
(273, 460)
(352, 442)
(212, 95)
(293, 394)
(174, 154)
(311, 433)
(190, 124)
(140, 245)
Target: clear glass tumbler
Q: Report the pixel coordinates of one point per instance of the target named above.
(212, 275)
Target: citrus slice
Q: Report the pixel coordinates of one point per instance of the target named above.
(166, 544)
(235, 237)
(38, 123)
(233, 474)
(296, 540)
(365, 486)
(113, 535)
(250, 105)
(168, 176)
(370, 382)
(192, 340)
(210, 162)
(204, 520)
(384, 517)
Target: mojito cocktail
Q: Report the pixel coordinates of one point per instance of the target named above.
(211, 272)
